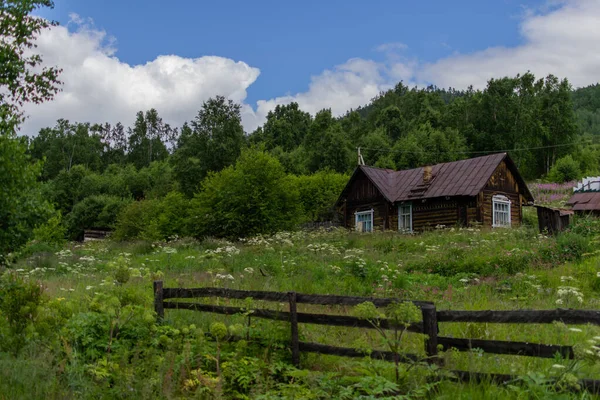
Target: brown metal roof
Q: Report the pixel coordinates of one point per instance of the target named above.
(562, 212)
(457, 178)
(589, 201)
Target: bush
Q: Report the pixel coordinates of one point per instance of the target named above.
(564, 170)
(94, 212)
(138, 220)
(154, 219)
(318, 193)
(572, 245)
(173, 215)
(19, 303)
(255, 196)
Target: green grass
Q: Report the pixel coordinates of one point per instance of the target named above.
(462, 269)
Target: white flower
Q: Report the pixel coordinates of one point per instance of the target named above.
(559, 301)
(558, 366)
(575, 330)
(89, 287)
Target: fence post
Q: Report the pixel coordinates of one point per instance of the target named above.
(158, 300)
(430, 328)
(294, 324)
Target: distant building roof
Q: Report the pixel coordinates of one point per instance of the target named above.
(457, 178)
(585, 201)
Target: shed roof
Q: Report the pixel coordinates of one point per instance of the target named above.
(457, 178)
(585, 201)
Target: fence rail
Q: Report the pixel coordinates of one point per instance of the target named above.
(428, 326)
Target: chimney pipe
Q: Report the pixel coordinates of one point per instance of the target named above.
(427, 175)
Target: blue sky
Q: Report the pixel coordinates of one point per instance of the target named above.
(291, 41)
(120, 57)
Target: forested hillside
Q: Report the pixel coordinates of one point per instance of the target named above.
(154, 181)
(210, 177)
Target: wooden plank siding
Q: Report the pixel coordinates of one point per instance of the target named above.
(364, 196)
(428, 212)
(502, 182)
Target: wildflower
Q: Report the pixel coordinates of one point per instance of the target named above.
(559, 301)
(89, 287)
(575, 330)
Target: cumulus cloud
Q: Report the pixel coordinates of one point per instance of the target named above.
(98, 87)
(562, 42)
(560, 39)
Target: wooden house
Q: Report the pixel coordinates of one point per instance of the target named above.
(488, 190)
(586, 197)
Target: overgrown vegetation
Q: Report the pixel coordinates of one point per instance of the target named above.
(77, 320)
(83, 316)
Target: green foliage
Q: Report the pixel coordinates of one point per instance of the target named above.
(566, 169)
(572, 245)
(326, 146)
(139, 220)
(21, 79)
(22, 206)
(286, 127)
(95, 212)
(213, 142)
(154, 219)
(67, 145)
(19, 306)
(318, 192)
(51, 232)
(218, 330)
(254, 196)
(147, 139)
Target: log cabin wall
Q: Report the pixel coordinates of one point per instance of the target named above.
(502, 182)
(433, 212)
(364, 196)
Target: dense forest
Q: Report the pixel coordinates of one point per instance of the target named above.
(211, 178)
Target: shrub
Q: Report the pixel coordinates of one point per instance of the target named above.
(53, 232)
(19, 303)
(565, 169)
(254, 196)
(318, 193)
(138, 220)
(94, 212)
(572, 245)
(154, 219)
(173, 214)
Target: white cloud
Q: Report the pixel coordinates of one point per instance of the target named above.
(98, 87)
(562, 42)
(559, 39)
(393, 46)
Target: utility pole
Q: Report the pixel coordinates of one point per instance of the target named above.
(361, 161)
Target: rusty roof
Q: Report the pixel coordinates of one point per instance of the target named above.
(561, 211)
(585, 201)
(457, 178)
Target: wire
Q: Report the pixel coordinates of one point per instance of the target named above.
(476, 151)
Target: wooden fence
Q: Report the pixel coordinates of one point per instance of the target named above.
(428, 326)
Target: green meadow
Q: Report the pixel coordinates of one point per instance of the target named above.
(81, 323)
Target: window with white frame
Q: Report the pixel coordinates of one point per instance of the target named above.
(405, 217)
(501, 211)
(364, 221)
